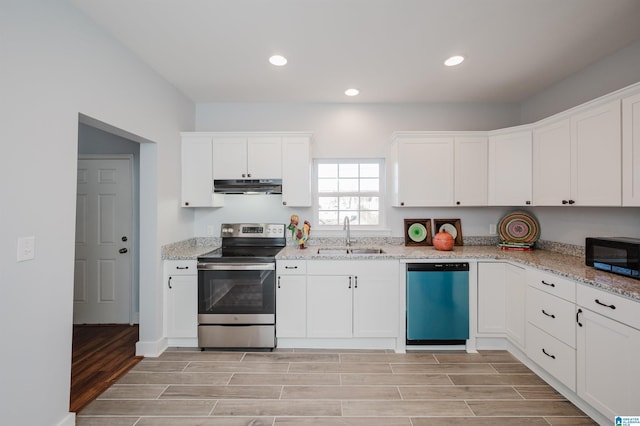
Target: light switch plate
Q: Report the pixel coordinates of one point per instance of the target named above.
(26, 248)
(492, 229)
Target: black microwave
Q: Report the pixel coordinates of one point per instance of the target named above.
(620, 255)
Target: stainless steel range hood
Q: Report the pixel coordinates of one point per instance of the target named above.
(247, 186)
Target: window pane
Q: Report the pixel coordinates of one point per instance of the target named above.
(349, 170)
(328, 203)
(369, 218)
(369, 170)
(349, 189)
(349, 203)
(369, 185)
(327, 170)
(327, 185)
(348, 185)
(369, 203)
(353, 218)
(328, 218)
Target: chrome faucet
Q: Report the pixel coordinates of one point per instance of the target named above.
(347, 227)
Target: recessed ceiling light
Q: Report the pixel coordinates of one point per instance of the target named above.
(351, 92)
(278, 60)
(454, 60)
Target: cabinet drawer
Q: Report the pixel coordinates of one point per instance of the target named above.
(551, 354)
(291, 267)
(553, 315)
(181, 267)
(610, 305)
(552, 284)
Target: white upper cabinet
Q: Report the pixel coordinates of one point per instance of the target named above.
(253, 157)
(631, 151)
(296, 171)
(197, 172)
(576, 161)
(470, 170)
(596, 149)
(552, 164)
(510, 168)
(423, 170)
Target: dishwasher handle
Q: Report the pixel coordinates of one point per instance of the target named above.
(438, 267)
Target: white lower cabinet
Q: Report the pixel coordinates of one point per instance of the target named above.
(608, 371)
(291, 296)
(492, 296)
(181, 281)
(558, 358)
(516, 285)
(501, 301)
(551, 328)
(352, 298)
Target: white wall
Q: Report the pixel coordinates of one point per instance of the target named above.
(614, 72)
(347, 130)
(607, 75)
(360, 130)
(56, 64)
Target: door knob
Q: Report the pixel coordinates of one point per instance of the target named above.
(123, 250)
(124, 238)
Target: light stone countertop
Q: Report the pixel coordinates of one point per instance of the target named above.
(564, 265)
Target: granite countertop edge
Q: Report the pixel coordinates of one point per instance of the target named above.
(564, 265)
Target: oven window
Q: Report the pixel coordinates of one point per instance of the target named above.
(236, 292)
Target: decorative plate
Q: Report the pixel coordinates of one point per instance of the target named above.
(449, 228)
(519, 227)
(417, 232)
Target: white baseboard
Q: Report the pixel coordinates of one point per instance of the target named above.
(347, 343)
(69, 420)
(151, 349)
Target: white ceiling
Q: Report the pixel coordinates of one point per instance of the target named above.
(392, 50)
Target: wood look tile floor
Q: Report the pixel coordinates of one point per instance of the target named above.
(330, 388)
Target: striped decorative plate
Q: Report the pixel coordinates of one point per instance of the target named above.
(519, 227)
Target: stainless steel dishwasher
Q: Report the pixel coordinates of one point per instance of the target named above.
(437, 303)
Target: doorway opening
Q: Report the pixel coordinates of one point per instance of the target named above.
(107, 261)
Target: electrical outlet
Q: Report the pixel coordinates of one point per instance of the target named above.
(492, 229)
(210, 230)
(26, 248)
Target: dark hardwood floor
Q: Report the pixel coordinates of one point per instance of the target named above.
(101, 355)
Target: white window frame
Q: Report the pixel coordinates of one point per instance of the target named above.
(381, 193)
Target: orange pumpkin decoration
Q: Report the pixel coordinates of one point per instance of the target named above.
(443, 241)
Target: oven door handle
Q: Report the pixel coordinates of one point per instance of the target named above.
(236, 266)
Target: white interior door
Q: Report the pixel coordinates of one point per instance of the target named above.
(104, 223)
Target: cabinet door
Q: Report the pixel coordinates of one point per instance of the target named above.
(375, 305)
(264, 157)
(491, 298)
(291, 312)
(471, 171)
(552, 164)
(329, 302)
(631, 151)
(229, 157)
(516, 288)
(510, 169)
(608, 368)
(197, 172)
(296, 171)
(596, 166)
(182, 307)
(424, 172)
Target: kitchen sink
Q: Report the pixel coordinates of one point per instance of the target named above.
(334, 251)
(366, 250)
(346, 251)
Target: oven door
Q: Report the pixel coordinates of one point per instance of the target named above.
(236, 293)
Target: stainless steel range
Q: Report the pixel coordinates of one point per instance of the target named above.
(237, 287)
